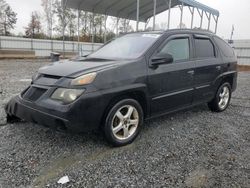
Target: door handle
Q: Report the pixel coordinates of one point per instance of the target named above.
(191, 72)
(218, 67)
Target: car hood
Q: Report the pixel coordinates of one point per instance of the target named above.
(73, 69)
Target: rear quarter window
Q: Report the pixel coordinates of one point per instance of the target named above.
(224, 47)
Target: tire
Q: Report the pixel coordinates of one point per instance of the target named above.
(222, 98)
(123, 122)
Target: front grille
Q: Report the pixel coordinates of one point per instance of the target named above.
(46, 80)
(51, 76)
(34, 93)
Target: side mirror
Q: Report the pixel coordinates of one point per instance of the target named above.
(160, 59)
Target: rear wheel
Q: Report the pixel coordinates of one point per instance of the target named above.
(222, 98)
(123, 122)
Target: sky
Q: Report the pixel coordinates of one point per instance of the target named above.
(232, 12)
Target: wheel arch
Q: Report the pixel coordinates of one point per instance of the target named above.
(138, 94)
(229, 77)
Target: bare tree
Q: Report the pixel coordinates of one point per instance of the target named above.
(7, 18)
(84, 21)
(65, 17)
(49, 12)
(34, 27)
(123, 25)
(72, 26)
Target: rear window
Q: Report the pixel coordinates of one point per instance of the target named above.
(225, 48)
(204, 48)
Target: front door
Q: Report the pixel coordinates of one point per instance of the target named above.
(171, 85)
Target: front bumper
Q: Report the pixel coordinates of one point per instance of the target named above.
(83, 115)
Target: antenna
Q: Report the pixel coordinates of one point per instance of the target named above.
(232, 33)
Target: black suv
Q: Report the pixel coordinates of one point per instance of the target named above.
(132, 78)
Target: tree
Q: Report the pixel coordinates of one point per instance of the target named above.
(3, 6)
(49, 12)
(72, 26)
(84, 21)
(7, 18)
(64, 16)
(123, 25)
(34, 27)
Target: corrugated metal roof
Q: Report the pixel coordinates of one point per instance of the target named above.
(201, 6)
(127, 8)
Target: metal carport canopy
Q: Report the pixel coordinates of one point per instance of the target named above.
(127, 9)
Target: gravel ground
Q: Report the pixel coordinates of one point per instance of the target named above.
(193, 148)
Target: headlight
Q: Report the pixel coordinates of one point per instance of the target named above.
(66, 95)
(83, 80)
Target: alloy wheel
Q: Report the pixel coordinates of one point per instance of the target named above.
(125, 122)
(224, 97)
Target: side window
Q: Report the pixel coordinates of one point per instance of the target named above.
(204, 48)
(225, 48)
(178, 48)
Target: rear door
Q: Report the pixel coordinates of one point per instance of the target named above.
(171, 85)
(207, 67)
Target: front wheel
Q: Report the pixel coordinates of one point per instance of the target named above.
(222, 98)
(123, 122)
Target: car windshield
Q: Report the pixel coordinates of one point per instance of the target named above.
(130, 46)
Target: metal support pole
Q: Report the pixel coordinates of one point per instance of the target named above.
(51, 45)
(202, 12)
(105, 28)
(181, 7)
(93, 37)
(192, 19)
(169, 12)
(64, 25)
(209, 21)
(216, 25)
(146, 24)
(117, 27)
(137, 15)
(127, 25)
(155, 2)
(78, 31)
(31, 43)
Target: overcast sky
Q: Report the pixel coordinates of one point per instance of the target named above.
(232, 12)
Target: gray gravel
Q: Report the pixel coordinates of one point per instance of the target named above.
(193, 148)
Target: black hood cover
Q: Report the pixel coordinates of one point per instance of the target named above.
(74, 69)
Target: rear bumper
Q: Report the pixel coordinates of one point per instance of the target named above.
(84, 115)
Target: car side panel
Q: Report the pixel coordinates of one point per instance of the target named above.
(206, 71)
